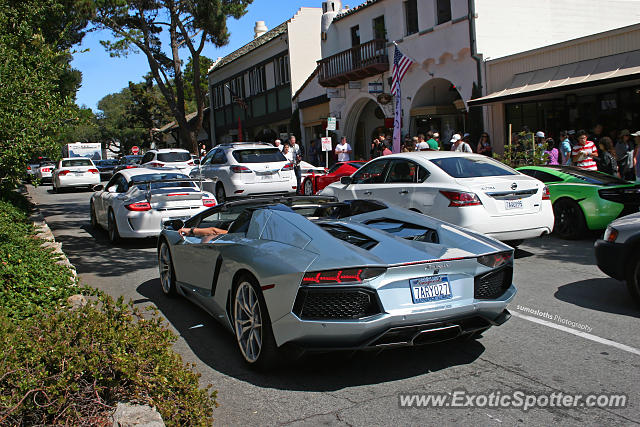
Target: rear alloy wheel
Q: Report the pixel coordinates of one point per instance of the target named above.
(167, 274)
(92, 214)
(251, 324)
(569, 219)
(112, 228)
(307, 187)
(221, 195)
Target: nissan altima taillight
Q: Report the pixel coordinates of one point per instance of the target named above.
(461, 198)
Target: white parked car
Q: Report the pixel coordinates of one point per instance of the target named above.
(34, 164)
(469, 190)
(73, 172)
(44, 172)
(247, 168)
(174, 158)
(135, 202)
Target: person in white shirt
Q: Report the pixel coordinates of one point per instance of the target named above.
(343, 150)
(278, 144)
(458, 144)
(422, 143)
(297, 158)
(288, 154)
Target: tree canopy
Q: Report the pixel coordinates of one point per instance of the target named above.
(140, 25)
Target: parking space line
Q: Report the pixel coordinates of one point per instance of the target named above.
(585, 335)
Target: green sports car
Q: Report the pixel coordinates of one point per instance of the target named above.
(585, 199)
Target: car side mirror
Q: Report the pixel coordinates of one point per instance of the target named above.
(174, 224)
(346, 180)
(98, 187)
(196, 161)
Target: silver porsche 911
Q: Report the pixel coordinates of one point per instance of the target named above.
(319, 274)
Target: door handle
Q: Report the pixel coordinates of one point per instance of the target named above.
(404, 191)
(367, 193)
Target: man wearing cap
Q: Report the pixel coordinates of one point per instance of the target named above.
(625, 155)
(458, 144)
(540, 138)
(433, 141)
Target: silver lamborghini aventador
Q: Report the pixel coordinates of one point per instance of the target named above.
(318, 274)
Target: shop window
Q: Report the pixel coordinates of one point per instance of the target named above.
(281, 66)
(257, 80)
(443, 11)
(379, 30)
(411, 16)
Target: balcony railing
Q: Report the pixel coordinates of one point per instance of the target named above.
(364, 60)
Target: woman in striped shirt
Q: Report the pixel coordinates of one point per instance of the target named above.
(584, 154)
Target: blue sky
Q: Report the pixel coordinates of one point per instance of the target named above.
(102, 75)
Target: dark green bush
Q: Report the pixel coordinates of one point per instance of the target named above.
(30, 279)
(71, 367)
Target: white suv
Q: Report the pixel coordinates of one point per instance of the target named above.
(246, 168)
(175, 158)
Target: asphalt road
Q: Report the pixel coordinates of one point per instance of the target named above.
(599, 353)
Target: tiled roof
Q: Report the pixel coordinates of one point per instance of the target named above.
(253, 44)
(355, 9)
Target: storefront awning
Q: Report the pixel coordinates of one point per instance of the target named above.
(592, 72)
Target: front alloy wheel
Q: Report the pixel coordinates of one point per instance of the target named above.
(308, 187)
(165, 266)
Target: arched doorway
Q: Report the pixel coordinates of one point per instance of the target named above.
(266, 135)
(438, 106)
(365, 119)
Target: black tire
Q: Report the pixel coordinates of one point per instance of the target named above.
(221, 195)
(92, 215)
(569, 219)
(633, 278)
(307, 187)
(112, 228)
(167, 273)
(266, 357)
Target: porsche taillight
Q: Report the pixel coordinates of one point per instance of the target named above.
(347, 275)
(139, 206)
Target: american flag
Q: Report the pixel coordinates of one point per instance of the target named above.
(235, 98)
(401, 64)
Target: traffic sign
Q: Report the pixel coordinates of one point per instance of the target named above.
(135, 149)
(331, 123)
(326, 143)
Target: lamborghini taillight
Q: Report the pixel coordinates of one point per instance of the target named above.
(347, 275)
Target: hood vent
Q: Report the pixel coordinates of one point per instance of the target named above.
(348, 235)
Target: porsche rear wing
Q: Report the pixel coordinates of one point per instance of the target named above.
(177, 195)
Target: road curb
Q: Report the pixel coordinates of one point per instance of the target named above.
(44, 233)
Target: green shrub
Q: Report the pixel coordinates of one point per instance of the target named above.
(30, 279)
(72, 367)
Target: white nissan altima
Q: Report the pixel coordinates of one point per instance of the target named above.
(469, 190)
(136, 202)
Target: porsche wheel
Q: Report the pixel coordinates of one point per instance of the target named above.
(307, 187)
(92, 214)
(252, 325)
(167, 274)
(112, 228)
(569, 219)
(221, 195)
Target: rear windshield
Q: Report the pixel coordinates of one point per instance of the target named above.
(472, 167)
(40, 160)
(130, 160)
(593, 177)
(174, 156)
(161, 176)
(259, 155)
(76, 162)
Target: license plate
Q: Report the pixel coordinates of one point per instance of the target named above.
(513, 204)
(266, 177)
(430, 288)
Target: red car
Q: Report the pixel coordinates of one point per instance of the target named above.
(314, 183)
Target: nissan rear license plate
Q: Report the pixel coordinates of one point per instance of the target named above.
(513, 204)
(430, 288)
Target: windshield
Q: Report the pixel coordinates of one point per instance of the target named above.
(259, 155)
(174, 156)
(76, 162)
(161, 176)
(130, 160)
(593, 177)
(109, 162)
(472, 167)
(40, 160)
